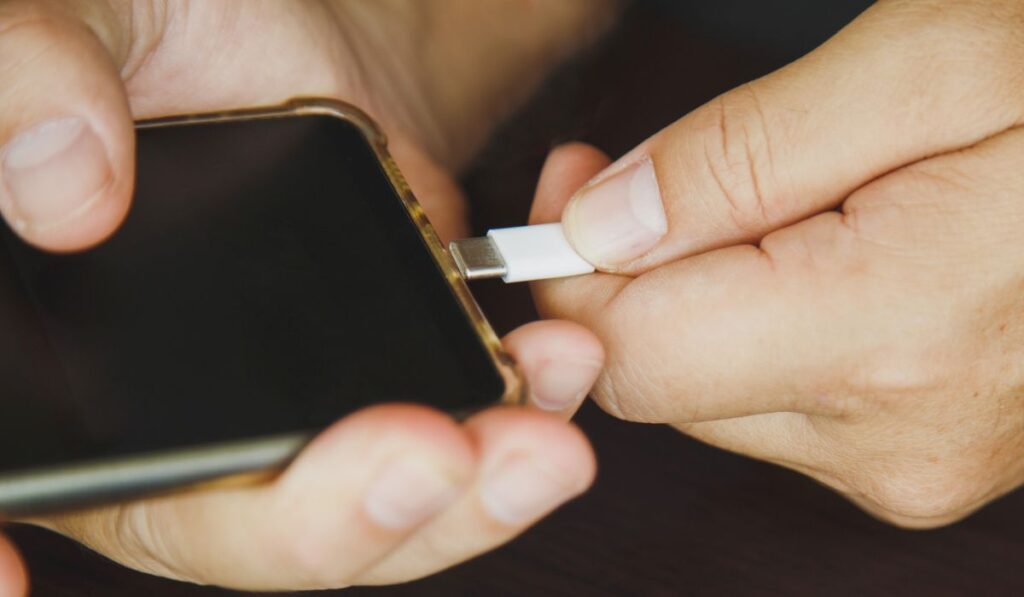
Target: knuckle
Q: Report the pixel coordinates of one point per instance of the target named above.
(615, 397)
(978, 25)
(922, 495)
(973, 41)
(135, 538)
(632, 383)
(922, 186)
(908, 212)
(738, 157)
(657, 368)
(894, 376)
(619, 392)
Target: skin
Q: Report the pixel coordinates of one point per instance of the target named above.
(107, 63)
(837, 290)
(839, 287)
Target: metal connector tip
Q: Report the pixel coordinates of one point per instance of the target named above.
(477, 258)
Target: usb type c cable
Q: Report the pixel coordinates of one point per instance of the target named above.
(519, 254)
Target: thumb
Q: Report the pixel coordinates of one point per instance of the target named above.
(66, 136)
(799, 140)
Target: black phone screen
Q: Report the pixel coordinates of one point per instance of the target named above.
(267, 280)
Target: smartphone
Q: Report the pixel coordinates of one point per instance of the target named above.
(274, 274)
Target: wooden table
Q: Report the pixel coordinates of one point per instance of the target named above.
(668, 516)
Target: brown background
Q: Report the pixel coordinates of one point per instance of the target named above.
(668, 516)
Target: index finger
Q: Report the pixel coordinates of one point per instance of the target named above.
(728, 333)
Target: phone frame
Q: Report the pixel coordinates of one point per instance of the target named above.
(248, 461)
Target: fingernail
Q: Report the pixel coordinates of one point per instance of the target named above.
(53, 172)
(619, 218)
(408, 492)
(523, 488)
(561, 385)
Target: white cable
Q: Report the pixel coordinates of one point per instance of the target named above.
(519, 254)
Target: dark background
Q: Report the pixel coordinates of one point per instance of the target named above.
(668, 516)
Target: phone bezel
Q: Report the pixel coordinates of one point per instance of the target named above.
(253, 460)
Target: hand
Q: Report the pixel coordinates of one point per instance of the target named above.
(823, 268)
(389, 494)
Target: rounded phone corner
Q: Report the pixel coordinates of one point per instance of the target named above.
(339, 109)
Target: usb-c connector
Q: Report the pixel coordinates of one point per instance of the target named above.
(519, 254)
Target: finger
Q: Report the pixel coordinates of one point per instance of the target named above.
(878, 295)
(825, 315)
(542, 348)
(567, 168)
(804, 323)
(66, 137)
(733, 332)
(13, 581)
(691, 341)
(886, 91)
(560, 360)
(352, 496)
(529, 464)
(434, 188)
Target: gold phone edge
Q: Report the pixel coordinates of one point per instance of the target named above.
(515, 386)
(281, 448)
